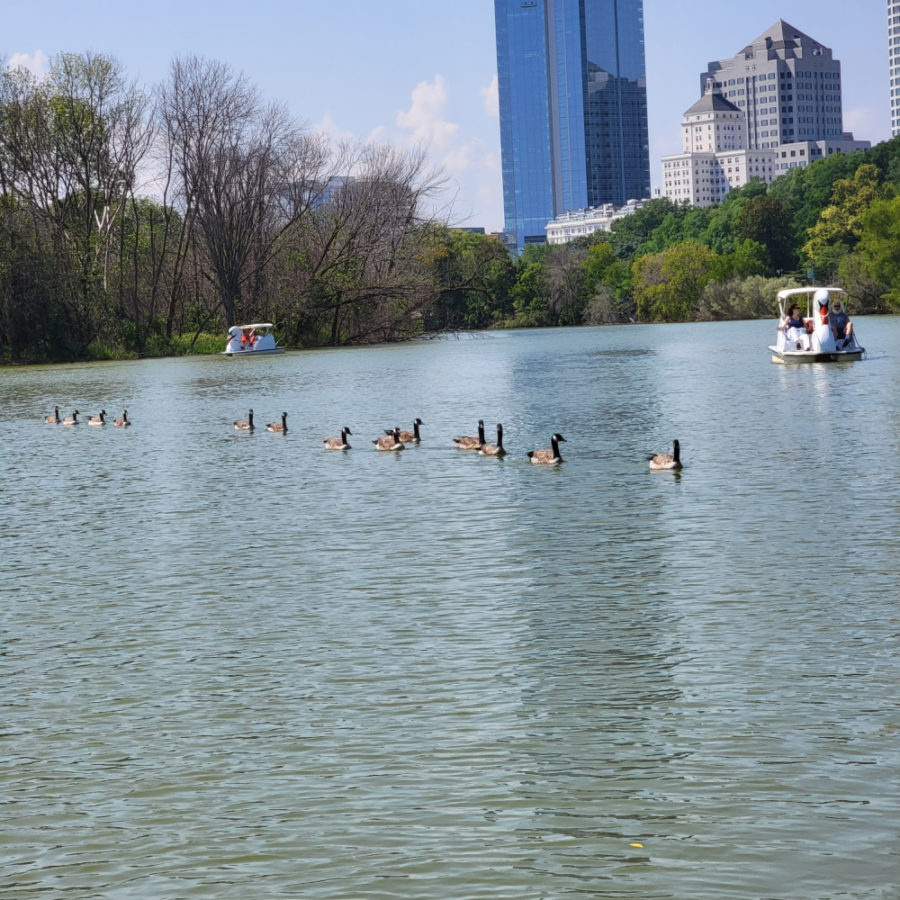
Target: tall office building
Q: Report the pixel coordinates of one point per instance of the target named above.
(789, 87)
(894, 63)
(775, 106)
(573, 109)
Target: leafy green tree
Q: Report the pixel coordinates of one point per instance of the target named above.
(840, 224)
(766, 220)
(473, 274)
(631, 232)
(529, 296)
(874, 267)
(668, 285)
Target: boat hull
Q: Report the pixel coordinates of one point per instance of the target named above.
(795, 357)
(247, 353)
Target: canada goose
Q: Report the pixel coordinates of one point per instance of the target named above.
(99, 419)
(279, 427)
(245, 424)
(71, 420)
(547, 457)
(390, 443)
(338, 443)
(660, 462)
(409, 437)
(464, 442)
(122, 421)
(494, 449)
(54, 419)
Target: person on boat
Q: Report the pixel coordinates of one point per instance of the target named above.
(248, 339)
(795, 328)
(841, 326)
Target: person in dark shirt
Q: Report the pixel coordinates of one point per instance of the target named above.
(795, 328)
(841, 326)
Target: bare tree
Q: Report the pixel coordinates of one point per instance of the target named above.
(362, 247)
(237, 162)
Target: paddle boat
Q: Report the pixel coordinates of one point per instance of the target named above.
(251, 340)
(814, 341)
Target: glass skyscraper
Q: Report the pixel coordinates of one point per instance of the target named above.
(573, 108)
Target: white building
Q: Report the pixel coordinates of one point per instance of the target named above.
(582, 222)
(773, 107)
(893, 9)
(714, 157)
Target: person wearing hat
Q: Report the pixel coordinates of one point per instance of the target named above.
(841, 326)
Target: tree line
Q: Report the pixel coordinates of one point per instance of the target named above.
(144, 222)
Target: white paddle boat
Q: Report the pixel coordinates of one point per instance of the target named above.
(812, 339)
(251, 340)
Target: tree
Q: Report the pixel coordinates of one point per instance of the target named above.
(473, 274)
(840, 224)
(668, 285)
(766, 220)
(245, 172)
(873, 270)
(70, 148)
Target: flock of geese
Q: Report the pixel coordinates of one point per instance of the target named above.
(395, 439)
(98, 420)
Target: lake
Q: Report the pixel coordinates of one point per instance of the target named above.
(238, 665)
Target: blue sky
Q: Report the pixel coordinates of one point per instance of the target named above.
(419, 71)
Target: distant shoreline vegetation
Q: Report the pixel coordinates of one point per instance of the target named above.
(142, 222)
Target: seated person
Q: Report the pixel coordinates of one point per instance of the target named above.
(841, 326)
(795, 328)
(248, 339)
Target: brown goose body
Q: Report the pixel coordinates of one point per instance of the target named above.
(54, 419)
(547, 457)
(466, 442)
(338, 443)
(122, 421)
(411, 437)
(278, 427)
(99, 419)
(71, 420)
(494, 449)
(662, 462)
(391, 442)
(245, 424)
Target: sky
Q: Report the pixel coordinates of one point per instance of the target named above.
(424, 72)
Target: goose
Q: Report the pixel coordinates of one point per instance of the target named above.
(547, 457)
(464, 442)
(122, 421)
(661, 462)
(409, 437)
(338, 443)
(245, 424)
(99, 419)
(54, 419)
(390, 443)
(494, 449)
(71, 420)
(278, 427)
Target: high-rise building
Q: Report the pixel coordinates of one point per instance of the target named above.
(714, 157)
(789, 87)
(775, 106)
(573, 109)
(894, 62)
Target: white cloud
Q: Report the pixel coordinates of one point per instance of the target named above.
(470, 162)
(490, 96)
(35, 62)
(424, 119)
(332, 130)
